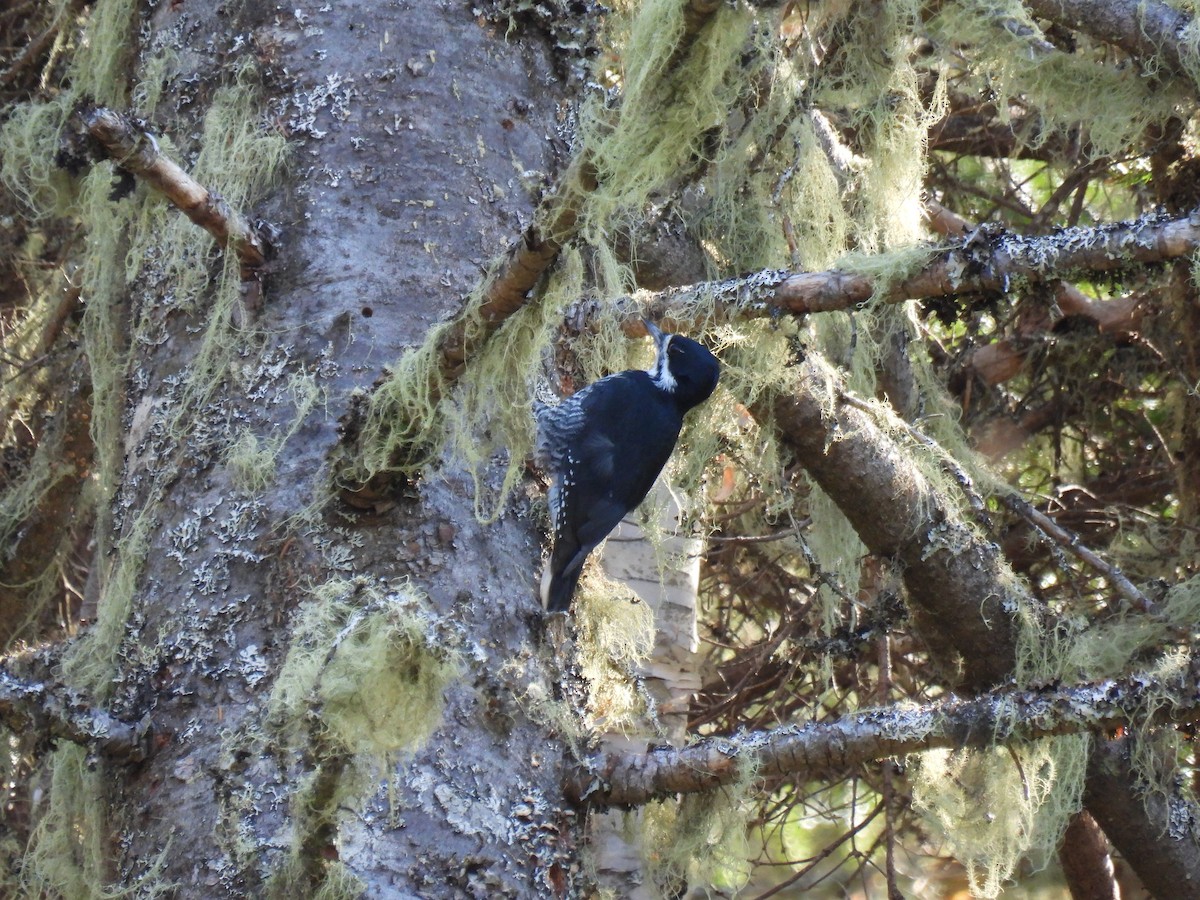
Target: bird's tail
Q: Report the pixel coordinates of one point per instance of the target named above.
(560, 578)
(557, 591)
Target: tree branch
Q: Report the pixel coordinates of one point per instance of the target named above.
(993, 262)
(986, 261)
(1146, 30)
(507, 290)
(135, 150)
(54, 715)
(819, 750)
(961, 593)
(953, 578)
(1072, 544)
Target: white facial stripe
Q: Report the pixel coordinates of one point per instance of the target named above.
(661, 373)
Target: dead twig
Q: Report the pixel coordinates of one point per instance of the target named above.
(136, 151)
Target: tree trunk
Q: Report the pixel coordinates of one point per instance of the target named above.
(414, 135)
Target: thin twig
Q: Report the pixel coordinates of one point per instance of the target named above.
(1070, 542)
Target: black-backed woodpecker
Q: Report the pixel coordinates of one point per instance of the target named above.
(604, 446)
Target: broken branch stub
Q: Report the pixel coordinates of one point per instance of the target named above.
(135, 150)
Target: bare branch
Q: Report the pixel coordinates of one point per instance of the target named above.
(1072, 544)
(135, 150)
(824, 749)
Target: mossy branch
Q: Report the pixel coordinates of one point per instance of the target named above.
(135, 150)
(963, 597)
(508, 288)
(53, 714)
(1146, 30)
(1111, 316)
(986, 261)
(962, 594)
(818, 750)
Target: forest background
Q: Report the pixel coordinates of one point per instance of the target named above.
(915, 608)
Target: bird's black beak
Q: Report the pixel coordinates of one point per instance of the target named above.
(655, 332)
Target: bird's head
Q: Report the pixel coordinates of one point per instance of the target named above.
(682, 367)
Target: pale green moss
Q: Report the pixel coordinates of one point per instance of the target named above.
(701, 838)
(998, 807)
(72, 841)
(363, 681)
(1113, 106)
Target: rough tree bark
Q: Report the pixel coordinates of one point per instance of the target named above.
(417, 139)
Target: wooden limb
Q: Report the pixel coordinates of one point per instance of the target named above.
(1071, 543)
(1001, 360)
(52, 714)
(955, 597)
(134, 149)
(1165, 854)
(985, 261)
(994, 262)
(507, 290)
(960, 592)
(1149, 31)
(818, 750)
(1086, 863)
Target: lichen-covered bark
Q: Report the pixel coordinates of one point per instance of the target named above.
(819, 750)
(988, 261)
(415, 137)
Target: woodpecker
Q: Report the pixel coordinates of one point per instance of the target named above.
(604, 446)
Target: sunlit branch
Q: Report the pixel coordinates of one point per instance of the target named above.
(1145, 29)
(134, 149)
(988, 260)
(823, 749)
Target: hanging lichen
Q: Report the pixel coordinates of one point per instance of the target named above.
(615, 635)
(362, 683)
(700, 838)
(132, 247)
(1112, 106)
(70, 848)
(147, 241)
(998, 807)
